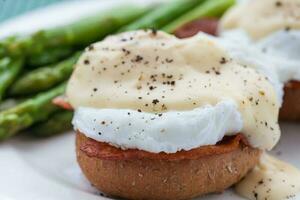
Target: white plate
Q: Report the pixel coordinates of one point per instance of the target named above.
(46, 169)
(42, 169)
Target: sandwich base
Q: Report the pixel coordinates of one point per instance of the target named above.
(135, 174)
(290, 110)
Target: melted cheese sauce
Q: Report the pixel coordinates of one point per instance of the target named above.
(155, 72)
(262, 17)
(271, 179)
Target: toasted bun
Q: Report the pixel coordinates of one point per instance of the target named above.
(135, 174)
(290, 110)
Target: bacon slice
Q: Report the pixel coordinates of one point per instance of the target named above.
(206, 25)
(106, 151)
(62, 102)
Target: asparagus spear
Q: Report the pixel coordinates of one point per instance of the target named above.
(210, 8)
(44, 78)
(58, 123)
(52, 55)
(9, 103)
(80, 33)
(4, 43)
(29, 112)
(162, 15)
(9, 69)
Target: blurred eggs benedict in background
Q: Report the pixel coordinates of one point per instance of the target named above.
(271, 28)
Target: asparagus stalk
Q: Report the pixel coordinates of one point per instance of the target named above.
(210, 8)
(4, 43)
(16, 46)
(162, 15)
(9, 69)
(52, 55)
(58, 123)
(44, 78)
(80, 33)
(29, 112)
(9, 103)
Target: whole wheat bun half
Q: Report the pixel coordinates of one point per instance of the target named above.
(136, 174)
(290, 110)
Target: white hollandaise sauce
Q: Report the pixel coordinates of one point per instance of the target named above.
(271, 179)
(154, 72)
(244, 51)
(269, 34)
(272, 27)
(276, 56)
(260, 18)
(282, 50)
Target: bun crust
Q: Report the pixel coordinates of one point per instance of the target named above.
(290, 110)
(135, 174)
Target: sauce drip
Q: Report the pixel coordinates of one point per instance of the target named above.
(271, 179)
